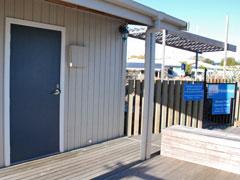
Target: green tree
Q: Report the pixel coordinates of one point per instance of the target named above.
(207, 60)
(202, 67)
(188, 68)
(230, 62)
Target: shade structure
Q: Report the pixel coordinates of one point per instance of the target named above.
(183, 40)
(170, 37)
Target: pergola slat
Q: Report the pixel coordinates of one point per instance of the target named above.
(184, 40)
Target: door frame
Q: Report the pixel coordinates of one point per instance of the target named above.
(9, 21)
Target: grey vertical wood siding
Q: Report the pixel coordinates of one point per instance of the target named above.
(92, 94)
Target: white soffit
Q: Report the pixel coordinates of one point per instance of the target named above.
(112, 9)
(130, 10)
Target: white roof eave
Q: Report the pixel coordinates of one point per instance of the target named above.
(132, 11)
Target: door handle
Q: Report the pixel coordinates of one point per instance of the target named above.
(56, 91)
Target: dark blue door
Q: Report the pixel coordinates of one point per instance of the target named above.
(34, 107)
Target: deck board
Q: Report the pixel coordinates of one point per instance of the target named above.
(114, 159)
(171, 169)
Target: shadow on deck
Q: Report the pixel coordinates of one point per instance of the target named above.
(115, 159)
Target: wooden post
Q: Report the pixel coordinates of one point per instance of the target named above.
(194, 113)
(183, 107)
(164, 104)
(137, 107)
(157, 106)
(130, 107)
(142, 103)
(234, 105)
(200, 114)
(148, 95)
(237, 118)
(189, 113)
(170, 103)
(177, 97)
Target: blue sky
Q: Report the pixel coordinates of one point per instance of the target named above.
(206, 17)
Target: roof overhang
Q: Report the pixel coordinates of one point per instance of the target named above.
(131, 11)
(184, 40)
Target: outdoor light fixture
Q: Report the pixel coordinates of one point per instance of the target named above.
(124, 31)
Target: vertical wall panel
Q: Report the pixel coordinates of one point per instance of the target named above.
(45, 12)
(9, 8)
(96, 85)
(73, 79)
(72, 39)
(118, 77)
(60, 11)
(107, 81)
(19, 9)
(79, 82)
(66, 90)
(53, 14)
(84, 114)
(37, 10)
(1, 78)
(91, 61)
(119, 64)
(28, 9)
(112, 84)
(92, 94)
(116, 81)
(102, 66)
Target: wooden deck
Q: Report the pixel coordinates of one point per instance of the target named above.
(114, 159)
(171, 169)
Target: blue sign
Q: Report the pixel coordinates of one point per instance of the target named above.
(193, 92)
(221, 106)
(221, 91)
(183, 66)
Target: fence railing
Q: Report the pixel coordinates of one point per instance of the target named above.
(169, 106)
